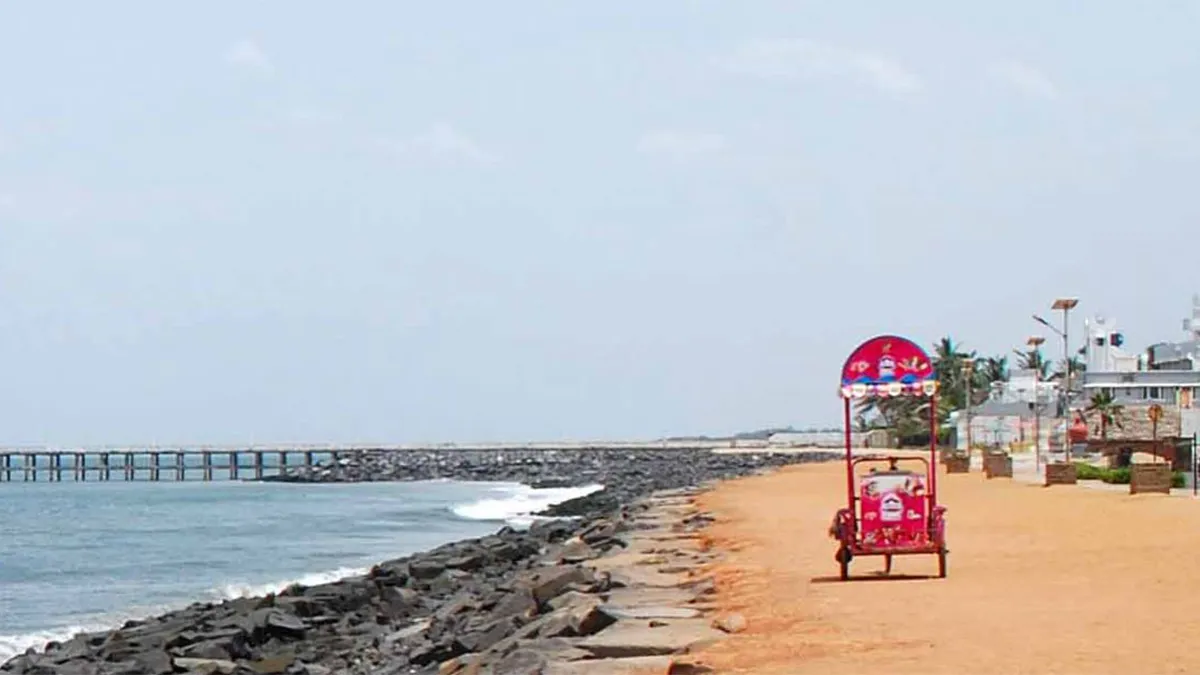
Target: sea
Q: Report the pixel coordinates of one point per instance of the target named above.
(87, 556)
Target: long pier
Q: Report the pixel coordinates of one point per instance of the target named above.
(236, 463)
(153, 465)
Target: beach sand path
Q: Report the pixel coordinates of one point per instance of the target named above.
(1041, 580)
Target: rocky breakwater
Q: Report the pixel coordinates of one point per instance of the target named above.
(601, 593)
(625, 474)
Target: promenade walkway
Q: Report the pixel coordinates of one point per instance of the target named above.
(1066, 579)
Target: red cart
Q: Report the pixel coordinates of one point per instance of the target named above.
(890, 510)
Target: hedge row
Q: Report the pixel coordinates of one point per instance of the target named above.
(1117, 476)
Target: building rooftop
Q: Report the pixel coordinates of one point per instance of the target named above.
(1174, 351)
(994, 408)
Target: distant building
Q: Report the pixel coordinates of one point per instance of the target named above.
(808, 439)
(1000, 424)
(1007, 417)
(1166, 373)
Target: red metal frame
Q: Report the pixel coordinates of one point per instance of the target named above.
(861, 378)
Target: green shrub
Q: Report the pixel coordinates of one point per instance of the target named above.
(1085, 471)
(1117, 476)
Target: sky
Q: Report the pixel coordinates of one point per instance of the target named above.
(266, 221)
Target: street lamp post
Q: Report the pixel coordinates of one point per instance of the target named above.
(1066, 305)
(1035, 342)
(968, 368)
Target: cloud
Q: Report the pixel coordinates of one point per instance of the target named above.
(8, 201)
(794, 59)
(248, 56)
(443, 143)
(1026, 79)
(680, 143)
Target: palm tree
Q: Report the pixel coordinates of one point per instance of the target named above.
(1032, 359)
(1077, 367)
(995, 369)
(1108, 410)
(949, 359)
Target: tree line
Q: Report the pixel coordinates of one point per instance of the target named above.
(908, 416)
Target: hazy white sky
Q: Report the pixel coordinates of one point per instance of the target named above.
(270, 221)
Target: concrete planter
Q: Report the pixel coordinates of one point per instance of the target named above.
(1150, 478)
(1060, 473)
(997, 465)
(958, 463)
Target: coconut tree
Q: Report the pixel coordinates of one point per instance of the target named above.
(1108, 410)
(1077, 367)
(1032, 359)
(995, 369)
(949, 359)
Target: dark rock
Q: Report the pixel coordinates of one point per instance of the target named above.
(488, 635)
(155, 662)
(426, 569)
(517, 603)
(467, 561)
(273, 665)
(219, 649)
(521, 662)
(573, 551)
(548, 582)
(206, 666)
(599, 531)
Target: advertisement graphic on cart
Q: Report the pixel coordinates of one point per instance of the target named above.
(891, 508)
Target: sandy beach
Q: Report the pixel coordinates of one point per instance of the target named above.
(1041, 580)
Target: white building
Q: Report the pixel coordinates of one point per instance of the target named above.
(1165, 373)
(1007, 417)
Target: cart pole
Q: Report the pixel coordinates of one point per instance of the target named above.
(849, 459)
(933, 450)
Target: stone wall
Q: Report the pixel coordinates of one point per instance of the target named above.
(1135, 423)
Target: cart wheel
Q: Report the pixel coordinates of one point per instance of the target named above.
(942, 564)
(887, 564)
(843, 557)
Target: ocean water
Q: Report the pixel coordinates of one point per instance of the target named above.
(88, 556)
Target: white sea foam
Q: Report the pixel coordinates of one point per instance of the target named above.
(12, 645)
(232, 591)
(516, 505)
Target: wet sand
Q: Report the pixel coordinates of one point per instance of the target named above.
(1041, 580)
